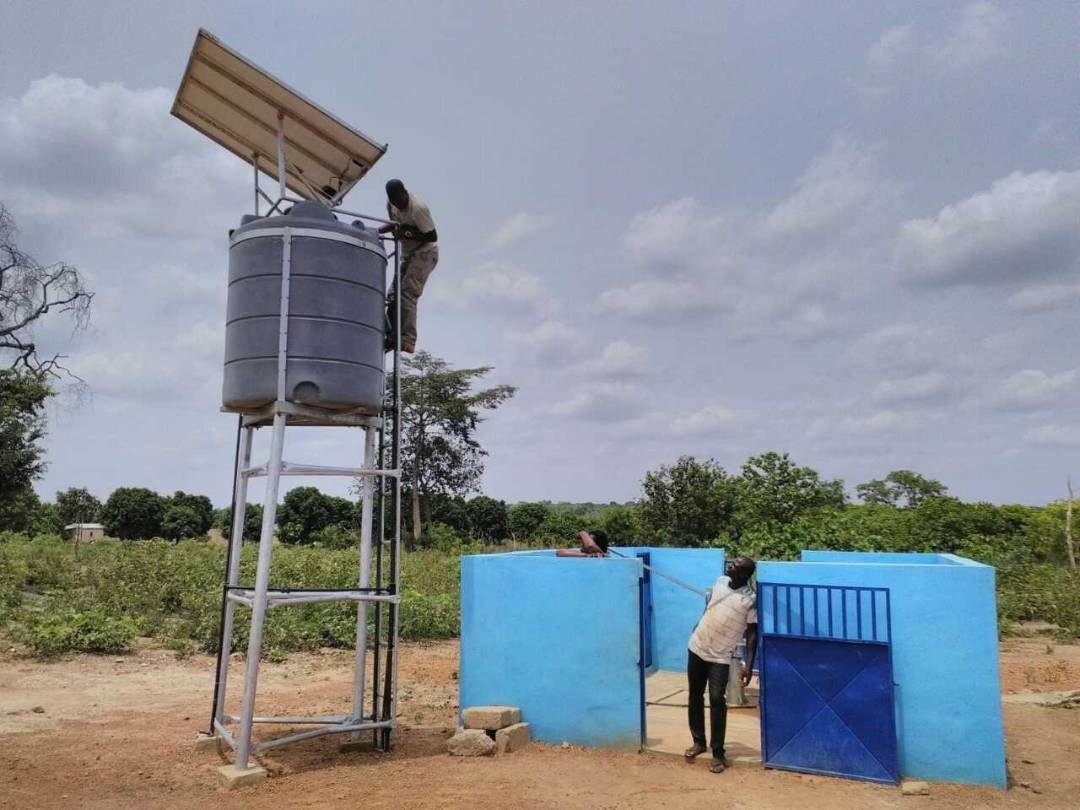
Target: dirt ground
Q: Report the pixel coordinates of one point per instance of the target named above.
(106, 732)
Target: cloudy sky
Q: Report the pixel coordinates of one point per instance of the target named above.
(846, 230)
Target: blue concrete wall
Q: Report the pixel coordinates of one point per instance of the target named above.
(558, 638)
(945, 655)
(677, 610)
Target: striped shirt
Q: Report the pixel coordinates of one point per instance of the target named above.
(723, 624)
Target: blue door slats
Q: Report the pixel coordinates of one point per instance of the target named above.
(826, 681)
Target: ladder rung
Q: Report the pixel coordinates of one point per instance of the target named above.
(288, 468)
(247, 597)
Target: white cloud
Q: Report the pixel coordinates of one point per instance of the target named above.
(891, 47)
(600, 402)
(902, 346)
(708, 419)
(1045, 297)
(1033, 388)
(975, 39)
(931, 385)
(677, 237)
(660, 299)
(1054, 435)
(552, 342)
(619, 360)
(113, 163)
(884, 422)
(776, 272)
(834, 186)
(1048, 134)
(517, 227)
(496, 286)
(1023, 228)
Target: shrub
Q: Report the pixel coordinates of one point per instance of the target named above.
(61, 629)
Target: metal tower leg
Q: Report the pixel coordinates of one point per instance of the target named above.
(367, 489)
(390, 686)
(262, 582)
(236, 544)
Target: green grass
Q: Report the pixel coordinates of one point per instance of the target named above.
(55, 601)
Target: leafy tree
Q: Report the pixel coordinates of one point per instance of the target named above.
(181, 521)
(560, 527)
(133, 513)
(45, 519)
(305, 511)
(523, 519)
(29, 291)
(22, 431)
(623, 525)
(901, 488)
(488, 518)
(440, 412)
(253, 513)
(201, 506)
(773, 489)
(688, 503)
(451, 511)
(77, 505)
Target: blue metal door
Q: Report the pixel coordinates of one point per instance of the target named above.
(826, 681)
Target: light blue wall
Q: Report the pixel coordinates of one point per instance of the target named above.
(677, 610)
(945, 655)
(557, 638)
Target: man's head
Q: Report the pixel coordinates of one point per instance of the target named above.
(599, 537)
(740, 570)
(396, 194)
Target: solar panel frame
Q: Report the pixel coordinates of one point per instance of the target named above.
(237, 105)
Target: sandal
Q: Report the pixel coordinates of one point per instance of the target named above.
(717, 766)
(693, 751)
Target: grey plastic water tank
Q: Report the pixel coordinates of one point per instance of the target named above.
(336, 312)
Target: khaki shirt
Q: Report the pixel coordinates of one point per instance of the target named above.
(418, 215)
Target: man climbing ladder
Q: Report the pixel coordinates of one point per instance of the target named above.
(415, 230)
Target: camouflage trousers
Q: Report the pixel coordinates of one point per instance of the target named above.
(416, 267)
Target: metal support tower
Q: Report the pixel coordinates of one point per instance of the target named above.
(378, 481)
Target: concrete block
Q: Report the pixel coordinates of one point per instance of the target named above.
(511, 738)
(233, 777)
(491, 718)
(207, 742)
(910, 788)
(744, 762)
(470, 743)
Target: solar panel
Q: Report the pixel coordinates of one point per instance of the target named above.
(237, 104)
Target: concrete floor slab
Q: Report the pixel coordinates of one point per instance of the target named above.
(666, 725)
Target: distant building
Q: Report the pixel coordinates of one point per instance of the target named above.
(84, 532)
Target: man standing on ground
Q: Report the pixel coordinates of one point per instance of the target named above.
(731, 612)
(415, 230)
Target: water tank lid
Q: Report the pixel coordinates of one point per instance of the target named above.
(311, 215)
(311, 210)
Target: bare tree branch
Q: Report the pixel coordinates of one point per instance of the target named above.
(29, 291)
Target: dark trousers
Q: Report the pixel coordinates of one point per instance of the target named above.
(701, 673)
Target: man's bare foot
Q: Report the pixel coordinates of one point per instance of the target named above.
(717, 765)
(693, 751)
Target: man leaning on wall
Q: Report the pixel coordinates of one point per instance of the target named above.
(730, 614)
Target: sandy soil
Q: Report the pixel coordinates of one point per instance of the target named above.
(116, 732)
